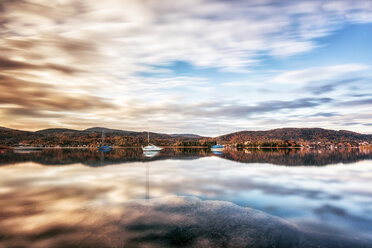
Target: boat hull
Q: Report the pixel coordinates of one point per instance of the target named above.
(27, 148)
(105, 148)
(152, 148)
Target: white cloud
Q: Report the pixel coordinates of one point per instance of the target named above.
(317, 74)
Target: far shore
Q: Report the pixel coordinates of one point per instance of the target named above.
(182, 147)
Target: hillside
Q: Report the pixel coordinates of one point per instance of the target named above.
(57, 131)
(91, 137)
(10, 136)
(186, 135)
(108, 130)
(296, 135)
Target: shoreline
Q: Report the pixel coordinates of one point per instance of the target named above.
(177, 147)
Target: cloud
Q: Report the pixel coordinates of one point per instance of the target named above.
(7, 64)
(92, 59)
(29, 98)
(271, 106)
(28, 112)
(226, 109)
(318, 74)
(331, 85)
(323, 114)
(355, 103)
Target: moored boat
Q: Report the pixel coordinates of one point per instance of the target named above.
(27, 148)
(217, 147)
(104, 148)
(150, 147)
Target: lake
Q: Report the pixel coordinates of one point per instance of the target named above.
(186, 198)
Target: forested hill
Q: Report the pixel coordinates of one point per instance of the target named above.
(91, 137)
(297, 135)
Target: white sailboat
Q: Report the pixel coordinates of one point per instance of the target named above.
(150, 147)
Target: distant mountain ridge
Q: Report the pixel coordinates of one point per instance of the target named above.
(107, 130)
(186, 135)
(53, 131)
(92, 129)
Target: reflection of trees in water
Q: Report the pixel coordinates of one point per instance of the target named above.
(93, 157)
(298, 156)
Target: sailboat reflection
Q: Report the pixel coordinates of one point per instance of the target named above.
(147, 197)
(150, 154)
(217, 152)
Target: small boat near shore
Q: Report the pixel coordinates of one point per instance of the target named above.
(27, 148)
(150, 147)
(217, 148)
(104, 148)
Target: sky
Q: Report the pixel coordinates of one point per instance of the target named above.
(188, 66)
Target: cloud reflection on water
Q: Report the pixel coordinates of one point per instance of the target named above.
(164, 222)
(40, 203)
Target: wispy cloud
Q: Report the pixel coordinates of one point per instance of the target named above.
(27, 98)
(318, 74)
(225, 109)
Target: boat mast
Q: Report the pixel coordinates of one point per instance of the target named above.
(103, 138)
(148, 138)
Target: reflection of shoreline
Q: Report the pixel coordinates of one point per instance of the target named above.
(298, 157)
(193, 147)
(93, 147)
(92, 157)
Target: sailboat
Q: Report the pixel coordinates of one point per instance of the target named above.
(150, 147)
(218, 148)
(104, 148)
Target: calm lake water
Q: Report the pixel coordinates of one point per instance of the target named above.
(186, 198)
